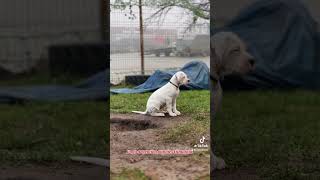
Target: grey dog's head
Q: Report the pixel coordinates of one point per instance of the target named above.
(229, 55)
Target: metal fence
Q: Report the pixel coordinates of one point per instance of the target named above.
(169, 42)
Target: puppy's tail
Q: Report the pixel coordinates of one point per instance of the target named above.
(140, 112)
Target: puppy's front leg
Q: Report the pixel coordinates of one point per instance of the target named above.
(174, 102)
(169, 107)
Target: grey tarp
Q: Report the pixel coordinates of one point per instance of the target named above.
(284, 39)
(94, 88)
(197, 72)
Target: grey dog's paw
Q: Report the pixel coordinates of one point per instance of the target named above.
(218, 163)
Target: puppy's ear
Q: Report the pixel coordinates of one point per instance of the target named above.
(180, 76)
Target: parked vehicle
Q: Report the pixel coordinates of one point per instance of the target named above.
(157, 52)
(158, 49)
(199, 46)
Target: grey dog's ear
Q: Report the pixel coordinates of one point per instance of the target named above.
(215, 52)
(215, 58)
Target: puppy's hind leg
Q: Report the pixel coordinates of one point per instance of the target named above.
(155, 112)
(163, 109)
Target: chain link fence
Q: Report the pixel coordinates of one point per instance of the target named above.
(169, 41)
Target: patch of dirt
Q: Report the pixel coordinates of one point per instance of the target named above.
(72, 171)
(140, 132)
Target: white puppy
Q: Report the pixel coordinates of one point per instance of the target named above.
(165, 97)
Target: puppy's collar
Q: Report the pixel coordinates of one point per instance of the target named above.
(174, 84)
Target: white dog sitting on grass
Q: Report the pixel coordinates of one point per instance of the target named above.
(164, 99)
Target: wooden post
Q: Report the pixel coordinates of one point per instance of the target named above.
(141, 38)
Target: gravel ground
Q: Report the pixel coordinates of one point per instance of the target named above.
(129, 64)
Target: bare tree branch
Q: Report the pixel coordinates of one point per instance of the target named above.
(197, 9)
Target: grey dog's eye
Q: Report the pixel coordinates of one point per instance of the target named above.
(235, 50)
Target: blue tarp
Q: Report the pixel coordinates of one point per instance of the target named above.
(197, 72)
(94, 88)
(284, 39)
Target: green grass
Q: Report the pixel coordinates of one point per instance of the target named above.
(278, 133)
(51, 131)
(125, 103)
(40, 132)
(195, 128)
(129, 174)
(44, 132)
(189, 132)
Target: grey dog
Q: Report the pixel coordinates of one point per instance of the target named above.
(228, 56)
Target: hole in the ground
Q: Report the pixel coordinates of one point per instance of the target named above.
(132, 125)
